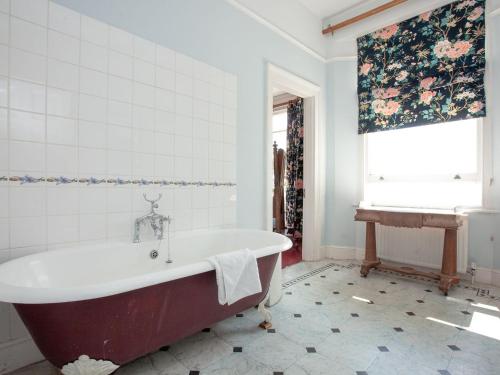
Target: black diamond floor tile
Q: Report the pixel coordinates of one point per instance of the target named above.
(311, 350)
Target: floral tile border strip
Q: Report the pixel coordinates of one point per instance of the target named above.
(62, 180)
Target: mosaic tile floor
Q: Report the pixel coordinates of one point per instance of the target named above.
(331, 321)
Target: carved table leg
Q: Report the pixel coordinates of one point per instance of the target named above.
(371, 259)
(449, 266)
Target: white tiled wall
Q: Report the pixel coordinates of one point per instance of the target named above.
(79, 98)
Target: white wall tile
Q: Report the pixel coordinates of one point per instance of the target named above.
(119, 200)
(64, 20)
(92, 227)
(27, 66)
(142, 165)
(119, 163)
(26, 201)
(62, 160)
(119, 138)
(143, 95)
(63, 47)
(62, 200)
(62, 229)
(183, 146)
(117, 225)
(165, 79)
(93, 200)
(92, 161)
(35, 226)
(121, 41)
(230, 82)
(4, 60)
(92, 108)
(93, 82)
(144, 72)
(91, 134)
(184, 64)
(4, 201)
(165, 100)
(27, 126)
(201, 90)
(27, 96)
(26, 156)
(4, 28)
(183, 125)
(4, 155)
(144, 49)
(93, 56)
(200, 128)
(120, 89)
(164, 144)
(164, 121)
(143, 117)
(3, 91)
(62, 75)
(184, 105)
(28, 36)
(164, 166)
(143, 141)
(61, 130)
(121, 65)
(165, 57)
(94, 31)
(183, 84)
(5, 6)
(183, 168)
(119, 113)
(4, 244)
(62, 103)
(201, 109)
(3, 123)
(31, 10)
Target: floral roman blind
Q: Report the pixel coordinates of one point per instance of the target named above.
(425, 70)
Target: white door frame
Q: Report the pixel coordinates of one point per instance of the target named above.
(314, 130)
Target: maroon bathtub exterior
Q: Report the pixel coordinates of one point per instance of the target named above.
(126, 326)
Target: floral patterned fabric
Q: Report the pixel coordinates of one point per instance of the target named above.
(295, 167)
(425, 70)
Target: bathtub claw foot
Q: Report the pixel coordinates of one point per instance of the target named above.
(88, 366)
(266, 324)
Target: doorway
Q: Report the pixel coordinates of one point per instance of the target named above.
(288, 171)
(278, 80)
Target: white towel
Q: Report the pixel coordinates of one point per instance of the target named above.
(237, 275)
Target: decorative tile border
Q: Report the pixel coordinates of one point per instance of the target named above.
(314, 272)
(62, 180)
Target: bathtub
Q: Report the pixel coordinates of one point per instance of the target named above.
(98, 307)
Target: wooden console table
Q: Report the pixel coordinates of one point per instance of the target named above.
(450, 222)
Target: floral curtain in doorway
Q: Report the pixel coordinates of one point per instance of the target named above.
(295, 167)
(425, 70)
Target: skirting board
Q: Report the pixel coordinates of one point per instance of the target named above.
(488, 276)
(343, 252)
(18, 353)
(483, 275)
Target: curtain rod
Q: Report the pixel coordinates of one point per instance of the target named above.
(362, 16)
(285, 103)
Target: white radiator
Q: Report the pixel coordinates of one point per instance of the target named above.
(419, 247)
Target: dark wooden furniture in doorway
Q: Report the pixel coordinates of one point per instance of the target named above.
(450, 222)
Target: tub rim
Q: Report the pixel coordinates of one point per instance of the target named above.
(37, 295)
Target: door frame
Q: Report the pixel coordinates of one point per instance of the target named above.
(314, 130)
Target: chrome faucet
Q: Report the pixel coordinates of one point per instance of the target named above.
(154, 219)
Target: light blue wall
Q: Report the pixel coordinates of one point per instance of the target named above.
(343, 166)
(217, 33)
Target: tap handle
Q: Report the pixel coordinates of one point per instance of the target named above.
(152, 201)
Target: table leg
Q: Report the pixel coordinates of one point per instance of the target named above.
(449, 265)
(371, 259)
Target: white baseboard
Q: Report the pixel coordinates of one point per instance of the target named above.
(488, 276)
(18, 353)
(343, 253)
(483, 275)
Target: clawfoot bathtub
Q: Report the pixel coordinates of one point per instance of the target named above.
(99, 307)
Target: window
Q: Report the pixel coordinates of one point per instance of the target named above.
(435, 166)
(280, 119)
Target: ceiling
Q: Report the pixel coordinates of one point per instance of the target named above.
(327, 8)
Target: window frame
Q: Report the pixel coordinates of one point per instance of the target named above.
(483, 162)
